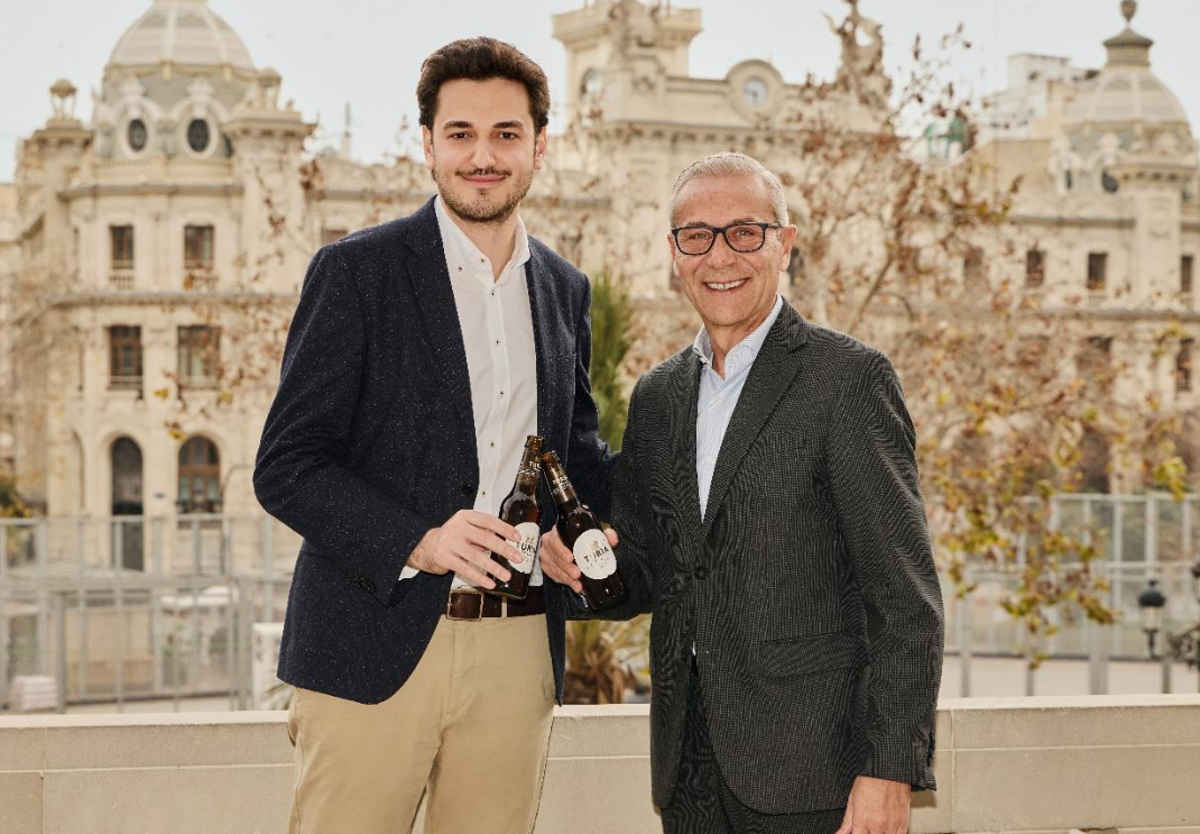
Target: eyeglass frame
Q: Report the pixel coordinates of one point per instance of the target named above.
(719, 231)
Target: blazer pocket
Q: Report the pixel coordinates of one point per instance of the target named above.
(809, 654)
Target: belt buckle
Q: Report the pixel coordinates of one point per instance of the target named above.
(465, 591)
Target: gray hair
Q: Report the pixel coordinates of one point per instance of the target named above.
(733, 164)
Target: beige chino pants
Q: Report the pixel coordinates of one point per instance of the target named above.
(472, 724)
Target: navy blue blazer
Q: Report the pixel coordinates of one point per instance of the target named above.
(370, 442)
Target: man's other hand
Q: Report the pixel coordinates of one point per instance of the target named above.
(877, 806)
(559, 564)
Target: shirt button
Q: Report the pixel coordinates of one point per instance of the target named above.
(497, 341)
(700, 572)
(502, 393)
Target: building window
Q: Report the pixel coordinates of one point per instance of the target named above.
(121, 238)
(570, 246)
(329, 236)
(136, 134)
(1097, 270)
(1092, 470)
(199, 135)
(973, 267)
(198, 247)
(1035, 268)
(1183, 366)
(1109, 183)
(199, 355)
(199, 477)
(795, 268)
(1095, 363)
(124, 357)
(1187, 269)
(127, 535)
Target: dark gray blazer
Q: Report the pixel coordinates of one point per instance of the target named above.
(809, 591)
(371, 441)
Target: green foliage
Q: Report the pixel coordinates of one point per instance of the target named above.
(612, 336)
(11, 505)
(604, 659)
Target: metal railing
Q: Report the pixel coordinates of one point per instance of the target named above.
(163, 607)
(139, 607)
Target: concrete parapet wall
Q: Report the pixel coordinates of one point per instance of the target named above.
(1004, 765)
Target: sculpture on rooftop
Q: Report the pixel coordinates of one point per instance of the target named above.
(861, 70)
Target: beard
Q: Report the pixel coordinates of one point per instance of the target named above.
(482, 208)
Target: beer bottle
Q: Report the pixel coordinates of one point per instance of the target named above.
(520, 509)
(580, 531)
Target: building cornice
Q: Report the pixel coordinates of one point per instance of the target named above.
(1127, 314)
(93, 298)
(152, 189)
(1082, 222)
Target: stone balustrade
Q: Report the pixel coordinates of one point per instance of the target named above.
(1130, 763)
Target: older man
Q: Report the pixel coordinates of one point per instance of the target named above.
(771, 520)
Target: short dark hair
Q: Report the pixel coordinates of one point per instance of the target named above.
(482, 59)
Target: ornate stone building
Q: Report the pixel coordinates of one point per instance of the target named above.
(151, 253)
(1108, 215)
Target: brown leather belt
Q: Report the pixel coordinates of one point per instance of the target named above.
(473, 604)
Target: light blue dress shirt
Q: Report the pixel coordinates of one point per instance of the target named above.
(718, 397)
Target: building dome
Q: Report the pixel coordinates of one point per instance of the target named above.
(1126, 92)
(180, 32)
(1126, 96)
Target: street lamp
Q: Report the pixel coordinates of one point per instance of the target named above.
(1184, 646)
(1151, 602)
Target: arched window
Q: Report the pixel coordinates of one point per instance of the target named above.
(126, 477)
(199, 477)
(127, 500)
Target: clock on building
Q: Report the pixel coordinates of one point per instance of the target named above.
(755, 92)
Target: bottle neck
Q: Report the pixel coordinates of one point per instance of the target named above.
(561, 489)
(527, 482)
(530, 473)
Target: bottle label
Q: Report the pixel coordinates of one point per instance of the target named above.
(559, 486)
(531, 537)
(594, 555)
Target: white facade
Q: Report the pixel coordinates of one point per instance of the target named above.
(188, 200)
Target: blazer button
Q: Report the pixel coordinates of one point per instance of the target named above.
(700, 572)
(467, 489)
(366, 583)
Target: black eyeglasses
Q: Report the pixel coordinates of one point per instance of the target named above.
(740, 237)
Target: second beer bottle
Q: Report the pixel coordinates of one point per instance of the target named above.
(520, 509)
(580, 531)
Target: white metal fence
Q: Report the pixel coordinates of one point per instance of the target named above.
(132, 607)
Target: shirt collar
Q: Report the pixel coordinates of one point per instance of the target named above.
(460, 250)
(752, 343)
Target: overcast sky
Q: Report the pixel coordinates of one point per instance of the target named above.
(368, 52)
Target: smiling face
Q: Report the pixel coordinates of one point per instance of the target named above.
(483, 148)
(732, 291)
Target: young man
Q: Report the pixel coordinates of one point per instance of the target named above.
(770, 514)
(422, 354)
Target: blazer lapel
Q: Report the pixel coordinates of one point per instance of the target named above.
(684, 392)
(543, 300)
(771, 375)
(430, 277)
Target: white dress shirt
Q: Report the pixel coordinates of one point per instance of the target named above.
(497, 331)
(719, 396)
